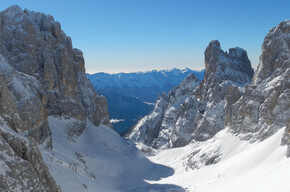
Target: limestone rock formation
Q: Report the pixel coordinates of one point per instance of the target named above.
(41, 75)
(22, 118)
(21, 103)
(155, 129)
(198, 113)
(34, 44)
(264, 106)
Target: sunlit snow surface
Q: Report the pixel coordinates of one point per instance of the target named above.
(100, 160)
(260, 166)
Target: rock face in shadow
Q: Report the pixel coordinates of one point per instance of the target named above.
(264, 106)
(23, 120)
(41, 75)
(22, 166)
(198, 113)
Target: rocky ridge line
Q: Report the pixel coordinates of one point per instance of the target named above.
(198, 113)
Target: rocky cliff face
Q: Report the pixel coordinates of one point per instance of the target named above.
(22, 118)
(156, 129)
(41, 76)
(198, 113)
(34, 44)
(263, 107)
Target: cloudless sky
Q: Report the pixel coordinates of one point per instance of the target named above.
(134, 35)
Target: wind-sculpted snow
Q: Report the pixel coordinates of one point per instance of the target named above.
(197, 111)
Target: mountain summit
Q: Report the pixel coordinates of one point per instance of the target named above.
(197, 112)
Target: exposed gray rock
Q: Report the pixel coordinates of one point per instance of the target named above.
(198, 113)
(156, 129)
(274, 60)
(23, 120)
(286, 138)
(22, 167)
(287, 133)
(264, 106)
(234, 66)
(21, 103)
(40, 75)
(35, 45)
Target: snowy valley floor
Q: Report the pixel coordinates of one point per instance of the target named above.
(257, 167)
(100, 161)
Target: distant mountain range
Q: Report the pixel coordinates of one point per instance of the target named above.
(133, 95)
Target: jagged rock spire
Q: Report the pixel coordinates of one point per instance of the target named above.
(198, 113)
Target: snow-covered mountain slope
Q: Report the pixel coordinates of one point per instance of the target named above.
(133, 83)
(250, 152)
(131, 96)
(197, 113)
(242, 166)
(99, 160)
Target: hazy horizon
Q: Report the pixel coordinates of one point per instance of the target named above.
(129, 36)
(145, 70)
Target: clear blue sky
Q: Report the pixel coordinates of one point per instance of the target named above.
(134, 35)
